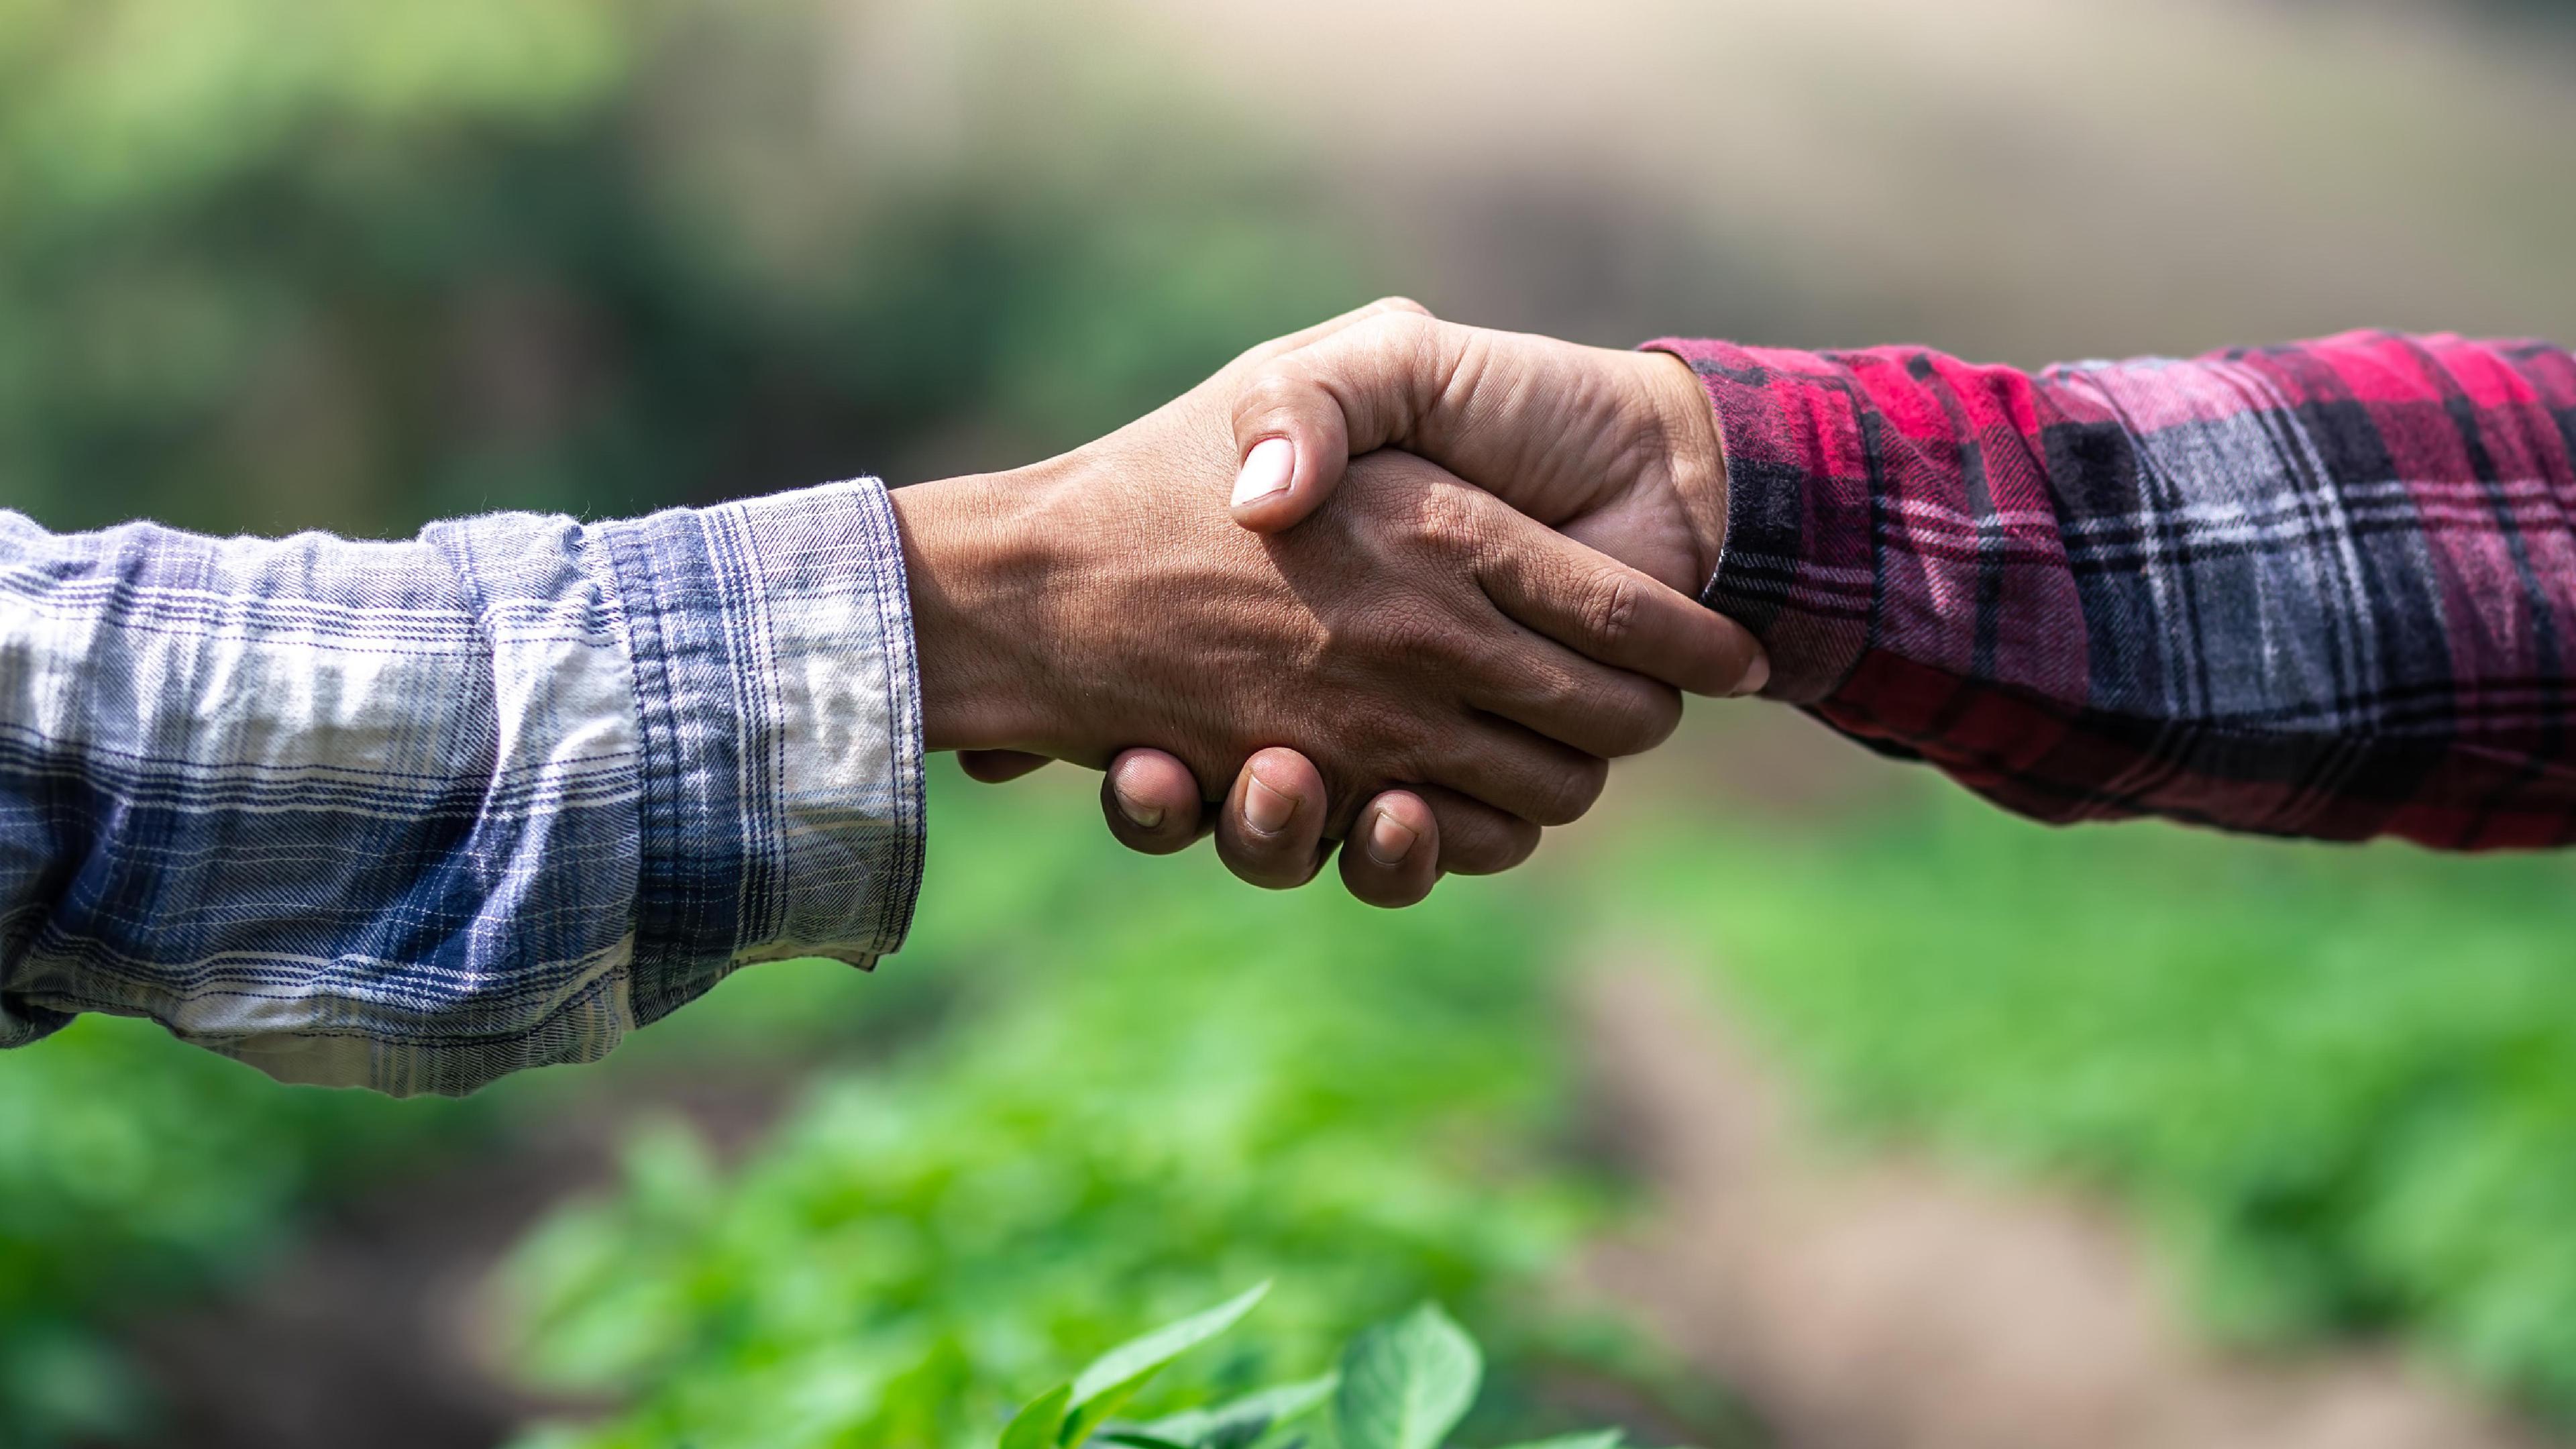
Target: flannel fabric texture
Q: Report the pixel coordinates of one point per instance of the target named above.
(2324, 590)
(413, 815)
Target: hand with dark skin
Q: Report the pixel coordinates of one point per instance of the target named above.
(1413, 631)
(1618, 449)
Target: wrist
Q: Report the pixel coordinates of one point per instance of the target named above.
(976, 572)
(1693, 450)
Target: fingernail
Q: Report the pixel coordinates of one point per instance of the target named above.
(1390, 839)
(1265, 809)
(1756, 675)
(1266, 470)
(1144, 817)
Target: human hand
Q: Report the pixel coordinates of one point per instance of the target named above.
(1417, 630)
(1619, 449)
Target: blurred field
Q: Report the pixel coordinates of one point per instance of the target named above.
(272, 265)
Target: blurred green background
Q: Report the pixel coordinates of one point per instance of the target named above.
(278, 264)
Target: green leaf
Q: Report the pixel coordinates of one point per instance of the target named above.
(1405, 1384)
(1597, 1439)
(1241, 1434)
(1035, 1425)
(1115, 1376)
(1255, 1413)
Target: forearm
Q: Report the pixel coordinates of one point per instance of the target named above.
(413, 815)
(2325, 590)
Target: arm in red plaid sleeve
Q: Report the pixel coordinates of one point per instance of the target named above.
(2323, 590)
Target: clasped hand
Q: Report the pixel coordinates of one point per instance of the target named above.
(1403, 582)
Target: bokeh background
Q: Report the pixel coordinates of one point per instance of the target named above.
(1792, 1099)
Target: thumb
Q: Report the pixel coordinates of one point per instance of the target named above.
(1302, 414)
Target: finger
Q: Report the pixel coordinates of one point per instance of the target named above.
(1151, 801)
(1592, 707)
(1301, 416)
(1520, 772)
(1608, 612)
(1271, 830)
(1476, 838)
(1393, 856)
(995, 767)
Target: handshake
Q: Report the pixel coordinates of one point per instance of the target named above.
(1407, 584)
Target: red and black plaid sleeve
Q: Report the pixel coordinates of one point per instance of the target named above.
(2321, 590)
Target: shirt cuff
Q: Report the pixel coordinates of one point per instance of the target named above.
(780, 707)
(1797, 567)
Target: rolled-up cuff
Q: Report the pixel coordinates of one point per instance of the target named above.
(779, 702)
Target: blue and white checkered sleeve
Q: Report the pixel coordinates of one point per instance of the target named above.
(414, 815)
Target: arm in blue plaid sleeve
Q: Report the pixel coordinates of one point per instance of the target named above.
(414, 815)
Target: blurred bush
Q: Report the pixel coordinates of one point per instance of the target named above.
(135, 1171)
(274, 265)
(2338, 1084)
(1162, 1088)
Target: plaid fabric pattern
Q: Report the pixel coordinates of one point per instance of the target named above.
(413, 815)
(2321, 590)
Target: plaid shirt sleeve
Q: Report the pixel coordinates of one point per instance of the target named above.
(2321, 590)
(413, 815)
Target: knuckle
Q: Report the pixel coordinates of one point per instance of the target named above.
(1558, 696)
(1408, 630)
(1447, 519)
(1279, 389)
(1401, 326)
(1402, 348)
(1611, 604)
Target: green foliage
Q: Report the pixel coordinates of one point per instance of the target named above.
(1157, 1084)
(134, 1170)
(274, 265)
(1065, 1416)
(1407, 1383)
(1230, 1425)
(1041, 1422)
(1115, 1377)
(1403, 1384)
(2339, 1084)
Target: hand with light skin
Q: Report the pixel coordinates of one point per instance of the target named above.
(1618, 449)
(1413, 630)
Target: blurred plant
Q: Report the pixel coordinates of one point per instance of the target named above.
(275, 265)
(2338, 1084)
(1160, 1084)
(1401, 1384)
(135, 1171)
